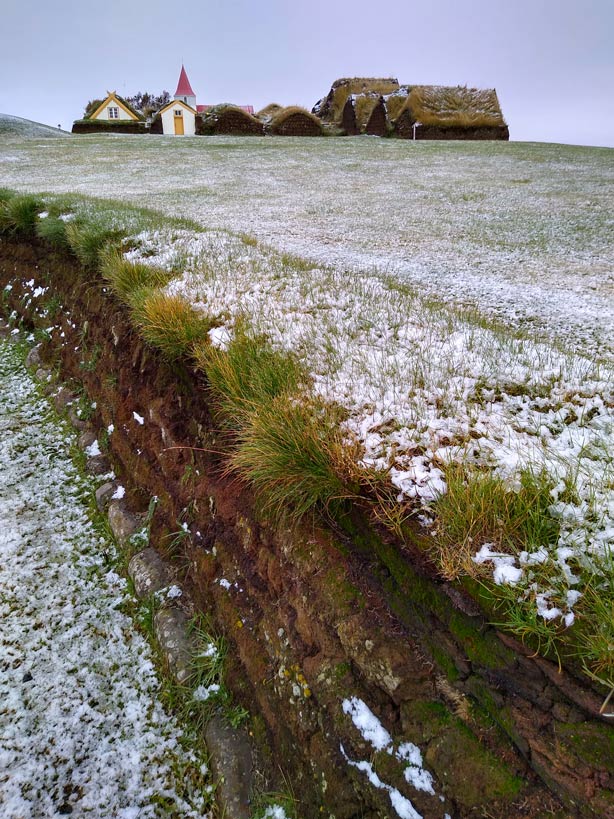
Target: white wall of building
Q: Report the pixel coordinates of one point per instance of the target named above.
(104, 113)
(168, 120)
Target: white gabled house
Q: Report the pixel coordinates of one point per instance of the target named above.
(178, 118)
(114, 109)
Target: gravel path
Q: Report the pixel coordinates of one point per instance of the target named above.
(81, 730)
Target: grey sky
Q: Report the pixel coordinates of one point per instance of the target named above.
(552, 61)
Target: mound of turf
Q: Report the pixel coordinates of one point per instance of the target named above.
(26, 128)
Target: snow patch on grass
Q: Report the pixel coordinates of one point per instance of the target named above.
(80, 725)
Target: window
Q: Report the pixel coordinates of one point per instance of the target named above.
(178, 112)
(113, 112)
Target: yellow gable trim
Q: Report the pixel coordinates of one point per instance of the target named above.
(112, 98)
(175, 103)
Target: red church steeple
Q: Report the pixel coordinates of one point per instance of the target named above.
(184, 89)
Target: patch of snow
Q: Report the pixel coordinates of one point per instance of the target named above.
(81, 728)
(203, 692)
(93, 450)
(367, 723)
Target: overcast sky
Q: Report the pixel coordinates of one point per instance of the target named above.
(551, 61)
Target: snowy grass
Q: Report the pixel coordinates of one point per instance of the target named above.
(467, 333)
(82, 729)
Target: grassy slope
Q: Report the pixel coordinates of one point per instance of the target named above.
(26, 128)
(577, 208)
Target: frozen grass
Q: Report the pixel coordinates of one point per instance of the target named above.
(82, 729)
(467, 333)
(520, 231)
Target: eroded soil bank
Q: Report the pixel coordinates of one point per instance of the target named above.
(318, 618)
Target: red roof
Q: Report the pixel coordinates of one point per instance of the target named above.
(184, 89)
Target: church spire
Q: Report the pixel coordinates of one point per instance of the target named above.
(184, 90)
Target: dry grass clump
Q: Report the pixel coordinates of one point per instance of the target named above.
(19, 214)
(478, 508)
(248, 374)
(456, 106)
(287, 446)
(288, 452)
(295, 121)
(126, 277)
(268, 112)
(169, 323)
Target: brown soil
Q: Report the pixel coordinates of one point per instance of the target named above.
(377, 124)
(316, 616)
(348, 118)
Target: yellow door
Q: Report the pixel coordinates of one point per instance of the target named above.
(178, 125)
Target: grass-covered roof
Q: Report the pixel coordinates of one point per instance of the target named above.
(454, 106)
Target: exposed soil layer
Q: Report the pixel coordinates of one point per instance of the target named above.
(377, 124)
(348, 118)
(314, 616)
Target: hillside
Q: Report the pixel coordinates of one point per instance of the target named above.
(19, 127)
(375, 412)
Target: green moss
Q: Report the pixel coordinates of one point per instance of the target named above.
(443, 660)
(499, 714)
(592, 743)
(341, 669)
(483, 648)
(345, 597)
(474, 775)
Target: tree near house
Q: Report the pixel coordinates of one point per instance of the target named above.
(142, 101)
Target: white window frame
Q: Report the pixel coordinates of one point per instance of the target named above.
(113, 112)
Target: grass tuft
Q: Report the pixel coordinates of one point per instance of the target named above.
(168, 322)
(478, 508)
(290, 451)
(53, 230)
(19, 214)
(247, 375)
(127, 278)
(88, 240)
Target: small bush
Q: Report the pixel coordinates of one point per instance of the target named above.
(19, 214)
(168, 322)
(127, 278)
(52, 230)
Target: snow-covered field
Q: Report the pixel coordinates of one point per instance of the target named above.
(523, 231)
(81, 729)
(460, 303)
